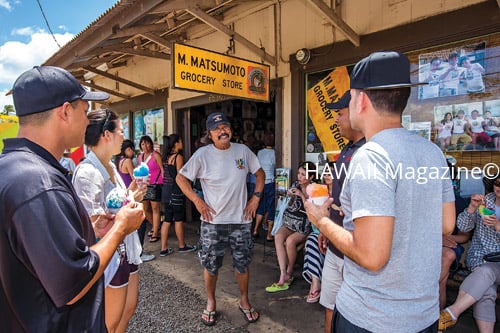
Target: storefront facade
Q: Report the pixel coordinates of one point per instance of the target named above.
(134, 40)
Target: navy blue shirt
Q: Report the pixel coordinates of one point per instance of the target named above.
(341, 166)
(45, 239)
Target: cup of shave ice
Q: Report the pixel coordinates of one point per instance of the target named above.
(317, 193)
(483, 210)
(116, 199)
(141, 174)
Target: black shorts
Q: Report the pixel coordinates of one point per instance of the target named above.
(174, 213)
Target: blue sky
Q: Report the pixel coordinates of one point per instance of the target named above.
(25, 40)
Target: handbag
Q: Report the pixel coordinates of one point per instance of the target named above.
(153, 192)
(492, 257)
(281, 205)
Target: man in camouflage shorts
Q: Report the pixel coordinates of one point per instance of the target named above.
(226, 214)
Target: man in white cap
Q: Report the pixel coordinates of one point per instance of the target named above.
(397, 201)
(226, 214)
(51, 268)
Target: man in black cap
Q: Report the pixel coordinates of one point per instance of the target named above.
(334, 259)
(226, 214)
(51, 269)
(397, 201)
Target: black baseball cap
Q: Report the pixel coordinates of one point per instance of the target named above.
(381, 70)
(45, 87)
(215, 119)
(341, 103)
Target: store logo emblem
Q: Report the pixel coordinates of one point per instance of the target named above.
(256, 81)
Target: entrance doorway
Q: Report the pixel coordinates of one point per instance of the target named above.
(250, 121)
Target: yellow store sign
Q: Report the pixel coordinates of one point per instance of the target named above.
(207, 71)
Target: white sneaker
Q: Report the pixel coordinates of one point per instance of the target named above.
(145, 257)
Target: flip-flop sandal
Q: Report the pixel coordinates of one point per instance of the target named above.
(275, 287)
(250, 312)
(211, 317)
(290, 281)
(313, 296)
(154, 239)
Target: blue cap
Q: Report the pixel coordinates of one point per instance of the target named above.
(381, 70)
(45, 87)
(215, 119)
(341, 103)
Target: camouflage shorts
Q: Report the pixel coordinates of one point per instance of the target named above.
(215, 238)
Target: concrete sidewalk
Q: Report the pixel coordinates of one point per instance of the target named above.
(285, 311)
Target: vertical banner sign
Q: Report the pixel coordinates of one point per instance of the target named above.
(329, 89)
(206, 71)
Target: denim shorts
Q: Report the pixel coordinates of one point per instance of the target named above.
(267, 204)
(215, 238)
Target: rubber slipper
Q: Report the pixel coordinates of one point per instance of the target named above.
(250, 312)
(154, 239)
(290, 280)
(211, 317)
(275, 287)
(313, 296)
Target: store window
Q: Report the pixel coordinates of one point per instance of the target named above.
(149, 122)
(126, 126)
(457, 105)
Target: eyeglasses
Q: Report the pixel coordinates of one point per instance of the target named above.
(497, 183)
(222, 128)
(106, 122)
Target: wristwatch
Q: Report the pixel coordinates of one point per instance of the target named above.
(258, 194)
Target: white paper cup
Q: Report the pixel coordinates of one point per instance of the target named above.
(142, 180)
(318, 200)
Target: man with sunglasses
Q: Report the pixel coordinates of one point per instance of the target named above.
(51, 268)
(479, 289)
(226, 214)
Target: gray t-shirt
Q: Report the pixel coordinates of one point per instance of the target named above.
(400, 174)
(223, 175)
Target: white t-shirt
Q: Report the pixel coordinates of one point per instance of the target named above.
(223, 175)
(459, 125)
(476, 125)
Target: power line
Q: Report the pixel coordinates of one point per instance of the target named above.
(47, 22)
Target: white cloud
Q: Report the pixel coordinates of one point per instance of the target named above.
(26, 31)
(5, 4)
(17, 57)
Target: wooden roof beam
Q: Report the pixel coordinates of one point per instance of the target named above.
(129, 50)
(201, 15)
(337, 21)
(109, 91)
(119, 79)
(158, 39)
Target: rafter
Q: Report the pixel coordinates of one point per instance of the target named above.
(159, 40)
(109, 91)
(119, 79)
(88, 39)
(129, 50)
(337, 21)
(237, 37)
